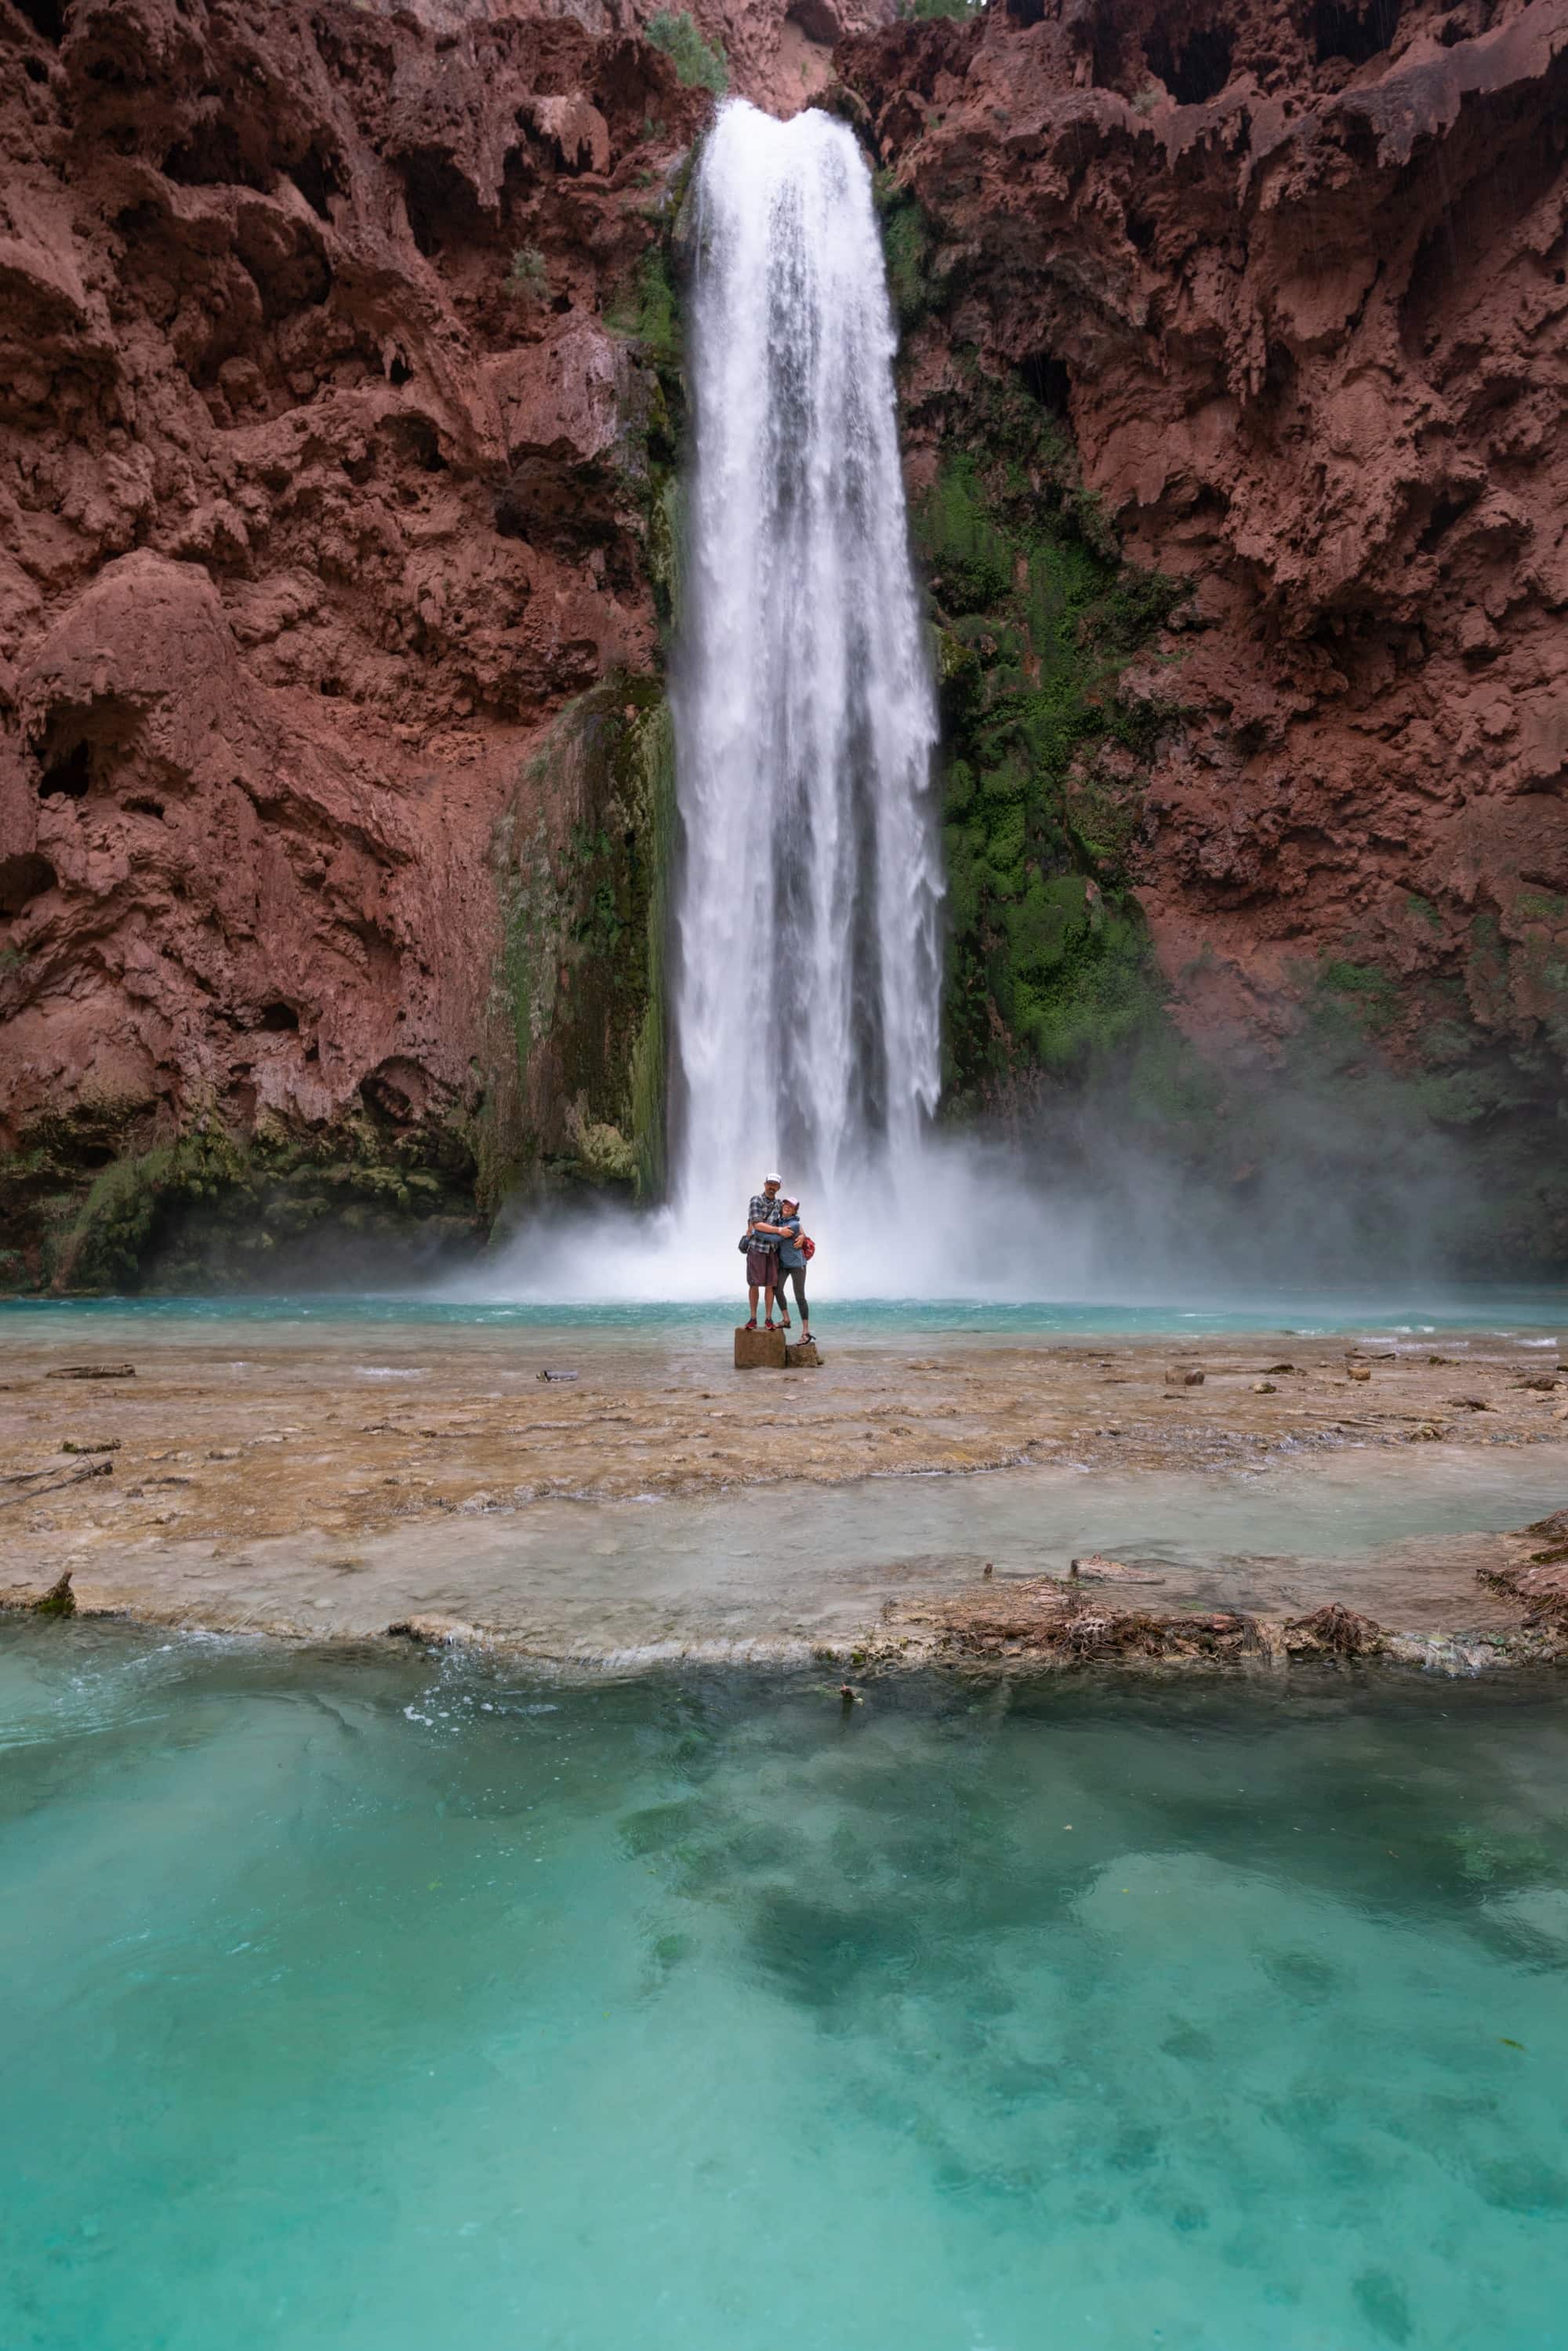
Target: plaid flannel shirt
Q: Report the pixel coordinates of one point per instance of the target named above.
(763, 1211)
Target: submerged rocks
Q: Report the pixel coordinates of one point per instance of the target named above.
(1537, 1574)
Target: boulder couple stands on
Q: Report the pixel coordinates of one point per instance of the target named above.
(775, 1247)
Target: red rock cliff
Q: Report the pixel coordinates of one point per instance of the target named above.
(334, 422)
(1296, 273)
(323, 478)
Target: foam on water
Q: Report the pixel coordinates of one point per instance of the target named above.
(380, 2006)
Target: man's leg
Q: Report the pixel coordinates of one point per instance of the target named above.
(751, 1297)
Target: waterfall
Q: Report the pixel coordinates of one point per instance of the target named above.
(807, 958)
(806, 979)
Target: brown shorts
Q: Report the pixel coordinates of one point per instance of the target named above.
(761, 1266)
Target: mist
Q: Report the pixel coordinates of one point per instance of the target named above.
(1083, 1198)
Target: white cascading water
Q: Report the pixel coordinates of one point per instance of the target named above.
(808, 961)
(807, 989)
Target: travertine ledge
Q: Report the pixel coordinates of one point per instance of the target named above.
(415, 1477)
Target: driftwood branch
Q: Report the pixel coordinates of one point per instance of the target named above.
(88, 1469)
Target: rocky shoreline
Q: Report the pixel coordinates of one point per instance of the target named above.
(433, 1485)
(1047, 1624)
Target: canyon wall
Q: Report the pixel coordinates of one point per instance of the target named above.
(329, 455)
(1285, 283)
(340, 405)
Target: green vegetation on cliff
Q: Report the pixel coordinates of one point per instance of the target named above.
(646, 311)
(700, 64)
(925, 12)
(917, 282)
(1043, 751)
(1399, 1071)
(577, 1053)
(215, 1208)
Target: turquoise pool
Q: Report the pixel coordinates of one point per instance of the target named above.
(1415, 1313)
(376, 2004)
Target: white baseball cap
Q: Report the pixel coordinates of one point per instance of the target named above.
(773, 1179)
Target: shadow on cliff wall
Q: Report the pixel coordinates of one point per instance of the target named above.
(1290, 1187)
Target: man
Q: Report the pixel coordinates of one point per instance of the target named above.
(762, 1248)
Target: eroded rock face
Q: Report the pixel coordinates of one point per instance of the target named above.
(335, 402)
(1296, 274)
(324, 477)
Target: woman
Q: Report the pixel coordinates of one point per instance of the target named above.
(792, 1260)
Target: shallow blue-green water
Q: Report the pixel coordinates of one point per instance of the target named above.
(1473, 1307)
(379, 2005)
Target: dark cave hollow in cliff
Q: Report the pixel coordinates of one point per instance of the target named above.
(1342, 28)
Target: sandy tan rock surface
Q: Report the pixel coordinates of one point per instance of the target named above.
(357, 1478)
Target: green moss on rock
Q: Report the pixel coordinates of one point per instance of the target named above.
(1370, 995)
(212, 1208)
(1048, 968)
(698, 63)
(646, 312)
(916, 278)
(578, 1038)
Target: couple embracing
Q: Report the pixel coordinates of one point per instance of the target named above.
(774, 1249)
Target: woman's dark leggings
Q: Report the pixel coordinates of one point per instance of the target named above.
(796, 1273)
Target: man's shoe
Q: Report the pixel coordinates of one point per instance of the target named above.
(752, 1325)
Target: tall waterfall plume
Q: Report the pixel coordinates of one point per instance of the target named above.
(808, 965)
(807, 957)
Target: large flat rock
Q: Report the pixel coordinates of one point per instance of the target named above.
(758, 1350)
